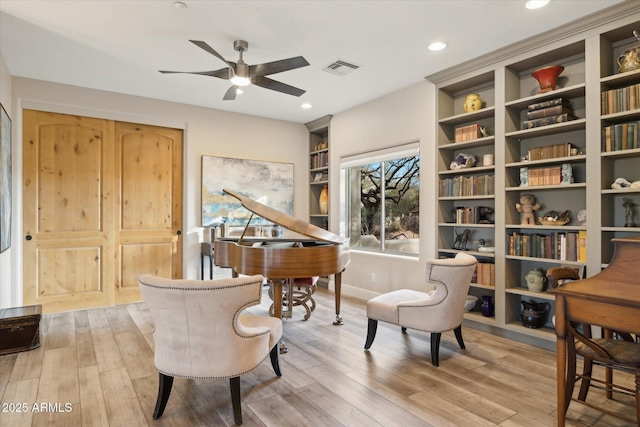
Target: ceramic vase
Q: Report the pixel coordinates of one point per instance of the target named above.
(323, 201)
(472, 103)
(547, 77)
(487, 306)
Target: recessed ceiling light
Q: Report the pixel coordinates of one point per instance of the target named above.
(306, 106)
(536, 4)
(435, 46)
(179, 5)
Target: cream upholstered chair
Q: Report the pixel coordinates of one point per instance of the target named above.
(200, 331)
(438, 309)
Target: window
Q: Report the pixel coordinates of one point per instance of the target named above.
(382, 200)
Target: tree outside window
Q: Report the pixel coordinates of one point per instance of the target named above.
(383, 205)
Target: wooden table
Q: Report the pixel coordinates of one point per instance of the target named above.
(610, 299)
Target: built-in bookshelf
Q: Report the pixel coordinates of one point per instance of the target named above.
(563, 147)
(319, 146)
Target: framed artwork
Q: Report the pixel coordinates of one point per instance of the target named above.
(270, 183)
(5, 180)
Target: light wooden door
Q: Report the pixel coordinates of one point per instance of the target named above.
(149, 215)
(102, 203)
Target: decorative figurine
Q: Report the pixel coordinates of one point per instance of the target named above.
(628, 212)
(567, 174)
(461, 239)
(527, 206)
(581, 217)
(524, 177)
(483, 215)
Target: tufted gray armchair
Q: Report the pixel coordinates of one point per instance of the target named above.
(200, 332)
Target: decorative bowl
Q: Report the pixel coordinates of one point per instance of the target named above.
(470, 303)
(547, 77)
(553, 223)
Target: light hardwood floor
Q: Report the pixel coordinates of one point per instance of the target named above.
(100, 363)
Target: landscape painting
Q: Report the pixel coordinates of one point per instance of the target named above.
(270, 183)
(5, 180)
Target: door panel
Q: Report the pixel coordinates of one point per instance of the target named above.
(149, 236)
(102, 204)
(68, 211)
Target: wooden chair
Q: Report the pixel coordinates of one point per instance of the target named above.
(622, 354)
(201, 332)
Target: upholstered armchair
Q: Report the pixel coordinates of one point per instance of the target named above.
(200, 332)
(437, 309)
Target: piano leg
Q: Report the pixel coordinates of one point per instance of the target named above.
(338, 290)
(277, 307)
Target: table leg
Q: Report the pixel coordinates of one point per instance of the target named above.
(561, 361)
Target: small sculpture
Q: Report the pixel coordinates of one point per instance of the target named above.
(463, 161)
(527, 206)
(567, 174)
(620, 183)
(581, 217)
(524, 177)
(628, 212)
(462, 239)
(483, 215)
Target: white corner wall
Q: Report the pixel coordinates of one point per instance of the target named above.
(206, 132)
(403, 116)
(7, 256)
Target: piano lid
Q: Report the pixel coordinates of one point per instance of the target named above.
(287, 221)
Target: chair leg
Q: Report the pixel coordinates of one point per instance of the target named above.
(164, 390)
(403, 329)
(586, 379)
(458, 332)
(435, 348)
(570, 380)
(638, 395)
(371, 333)
(275, 359)
(235, 399)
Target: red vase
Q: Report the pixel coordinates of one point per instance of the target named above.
(547, 77)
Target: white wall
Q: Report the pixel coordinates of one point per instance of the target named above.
(403, 116)
(206, 131)
(7, 256)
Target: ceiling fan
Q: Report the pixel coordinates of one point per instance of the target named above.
(241, 74)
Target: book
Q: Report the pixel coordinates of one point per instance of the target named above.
(582, 245)
(547, 104)
(572, 246)
(549, 111)
(559, 118)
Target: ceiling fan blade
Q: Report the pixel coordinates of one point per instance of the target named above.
(268, 83)
(202, 45)
(231, 94)
(222, 73)
(277, 66)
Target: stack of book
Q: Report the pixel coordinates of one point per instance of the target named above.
(469, 132)
(549, 112)
(551, 175)
(622, 136)
(462, 186)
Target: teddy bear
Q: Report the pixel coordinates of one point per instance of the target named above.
(527, 206)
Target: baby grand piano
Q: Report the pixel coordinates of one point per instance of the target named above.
(321, 253)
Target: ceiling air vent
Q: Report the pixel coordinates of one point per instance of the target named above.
(340, 68)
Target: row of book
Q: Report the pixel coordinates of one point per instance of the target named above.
(319, 160)
(461, 186)
(557, 110)
(551, 175)
(469, 132)
(473, 215)
(561, 245)
(484, 274)
(562, 149)
(622, 99)
(622, 136)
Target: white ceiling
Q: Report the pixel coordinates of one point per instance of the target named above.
(119, 46)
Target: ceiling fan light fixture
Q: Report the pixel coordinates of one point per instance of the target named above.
(240, 81)
(306, 106)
